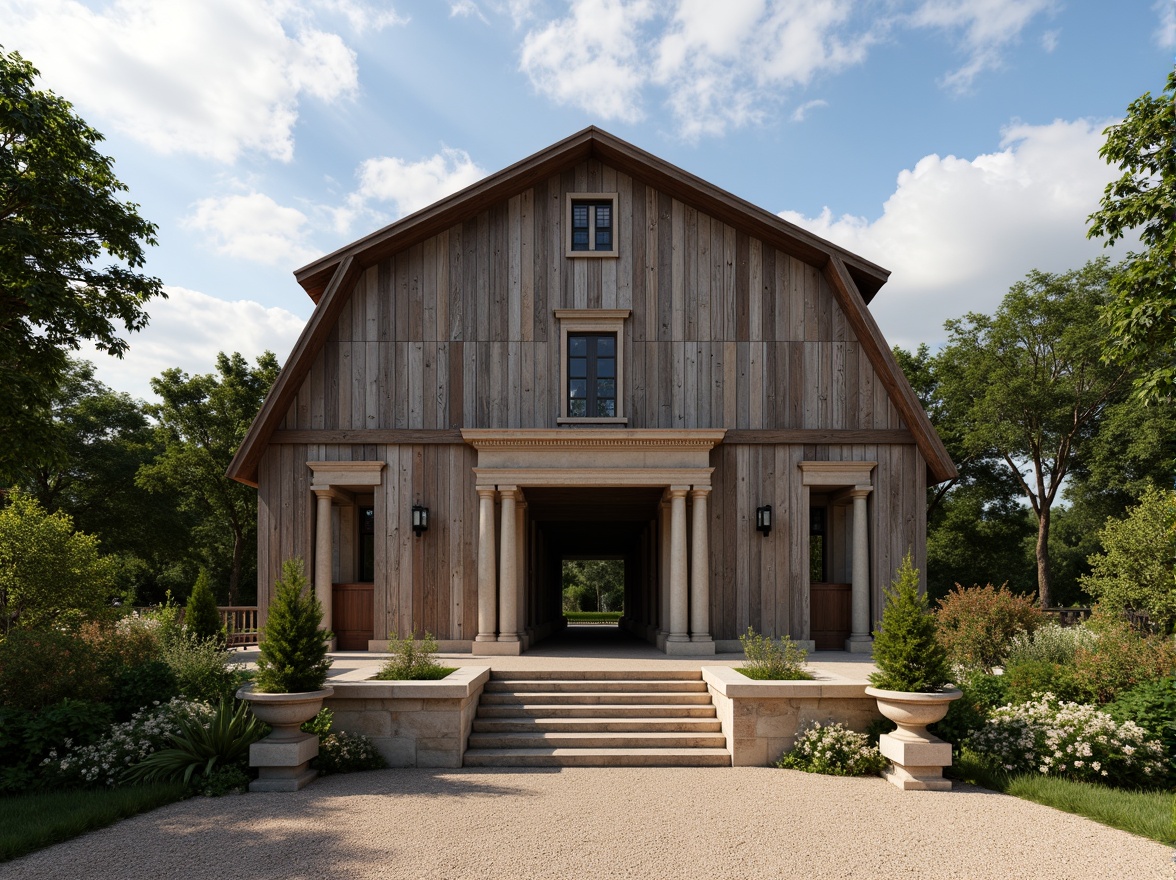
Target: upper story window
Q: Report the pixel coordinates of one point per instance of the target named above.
(592, 225)
(592, 365)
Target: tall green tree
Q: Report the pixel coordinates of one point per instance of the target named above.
(1028, 385)
(1142, 312)
(202, 420)
(70, 254)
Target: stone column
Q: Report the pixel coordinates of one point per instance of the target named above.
(323, 582)
(679, 595)
(860, 641)
(521, 567)
(508, 584)
(663, 572)
(699, 568)
(487, 567)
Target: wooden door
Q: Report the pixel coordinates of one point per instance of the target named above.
(352, 616)
(829, 625)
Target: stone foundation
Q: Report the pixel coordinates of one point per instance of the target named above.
(761, 719)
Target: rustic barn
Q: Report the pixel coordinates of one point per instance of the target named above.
(592, 354)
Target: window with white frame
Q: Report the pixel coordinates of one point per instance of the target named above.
(592, 225)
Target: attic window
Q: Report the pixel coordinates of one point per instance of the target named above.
(592, 225)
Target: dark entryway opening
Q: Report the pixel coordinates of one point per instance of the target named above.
(592, 525)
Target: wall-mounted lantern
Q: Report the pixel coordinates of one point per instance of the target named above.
(420, 519)
(763, 519)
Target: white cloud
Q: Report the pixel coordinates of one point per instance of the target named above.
(214, 78)
(253, 227)
(799, 114)
(1166, 33)
(957, 233)
(1049, 40)
(187, 330)
(363, 16)
(988, 26)
(410, 186)
(466, 9)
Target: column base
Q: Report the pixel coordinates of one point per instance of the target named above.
(283, 766)
(486, 637)
(660, 641)
(690, 649)
(509, 637)
(497, 649)
(860, 644)
(916, 765)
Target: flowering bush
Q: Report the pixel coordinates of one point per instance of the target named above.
(1075, 741)
(343, 752)
(105, 761)
(976, 625)
(835, 750)
(1050, 644)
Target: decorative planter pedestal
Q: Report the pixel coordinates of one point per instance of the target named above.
(283, 758)
(918, 757)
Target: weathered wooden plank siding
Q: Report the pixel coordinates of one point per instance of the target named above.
(725, 330)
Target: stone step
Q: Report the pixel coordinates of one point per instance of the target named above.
(596, 675)
(607, 725)
(596, 684)
(568, 698)
(596, 757)
(602, 710)
(644, 739)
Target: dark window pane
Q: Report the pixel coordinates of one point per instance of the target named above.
(580, 240)
(578, 346)
(577, 368)
(577, 409)
(579, 216)
(606, 388)
(578, 388)
(606, 346)
(604, 216)
(606, 409)
(606, 368)
(604, 239)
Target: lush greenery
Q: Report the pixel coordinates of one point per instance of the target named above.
(835, 750)
(411, 660)
(769, 659)
(29, 822)
(202, 748)
(200, 616)
(293, 647)
(70, 254)
(976, 626)
(340, 751)
(592, 616)
(593, 585)
(907, 653)
(1142, 314)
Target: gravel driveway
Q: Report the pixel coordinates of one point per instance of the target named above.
(741, 823)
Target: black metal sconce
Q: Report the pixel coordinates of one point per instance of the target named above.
(420, 519)
(763, 519)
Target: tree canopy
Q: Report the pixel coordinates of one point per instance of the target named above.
(1142, 313)
(70, 254)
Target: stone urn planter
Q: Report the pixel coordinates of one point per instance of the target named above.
(917, 757)
(283, 758)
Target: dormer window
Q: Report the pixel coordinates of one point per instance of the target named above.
(592, 225)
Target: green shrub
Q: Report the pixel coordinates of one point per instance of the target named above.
(983, 692)
(834, 750)
(907, 653)
(1074, 741)
(51, 577)
(29, 739)
(203, 669)
(293, 647)
(1120, 658)
(1027, 680)
(772, 659)
(201, 617)
(1135, 568)
(1151, 705)
(201, 746)
(41, 667)
(137, 686)
(340, 751)
(976, 625)
(1050, 643)
(411, 661)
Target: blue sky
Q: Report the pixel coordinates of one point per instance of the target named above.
(953, 141)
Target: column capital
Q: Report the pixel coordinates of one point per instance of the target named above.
(678, 491)
(487, 492)
(330, 493)
(509, 491)
(700, 491)
(860, 491)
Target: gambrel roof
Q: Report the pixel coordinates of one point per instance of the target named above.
(330, 280)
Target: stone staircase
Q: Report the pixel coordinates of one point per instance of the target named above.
(617, 718)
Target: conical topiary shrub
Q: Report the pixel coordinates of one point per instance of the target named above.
(200, 615)
(906, 652)
(293, 647)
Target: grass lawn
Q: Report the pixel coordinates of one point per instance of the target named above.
(592, 616)
(1146, 813)
(30, 822)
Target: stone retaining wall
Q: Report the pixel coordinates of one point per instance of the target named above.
(761, 719)
(411, 723)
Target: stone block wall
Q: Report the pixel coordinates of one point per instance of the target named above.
(411, 723)
(761, 719)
